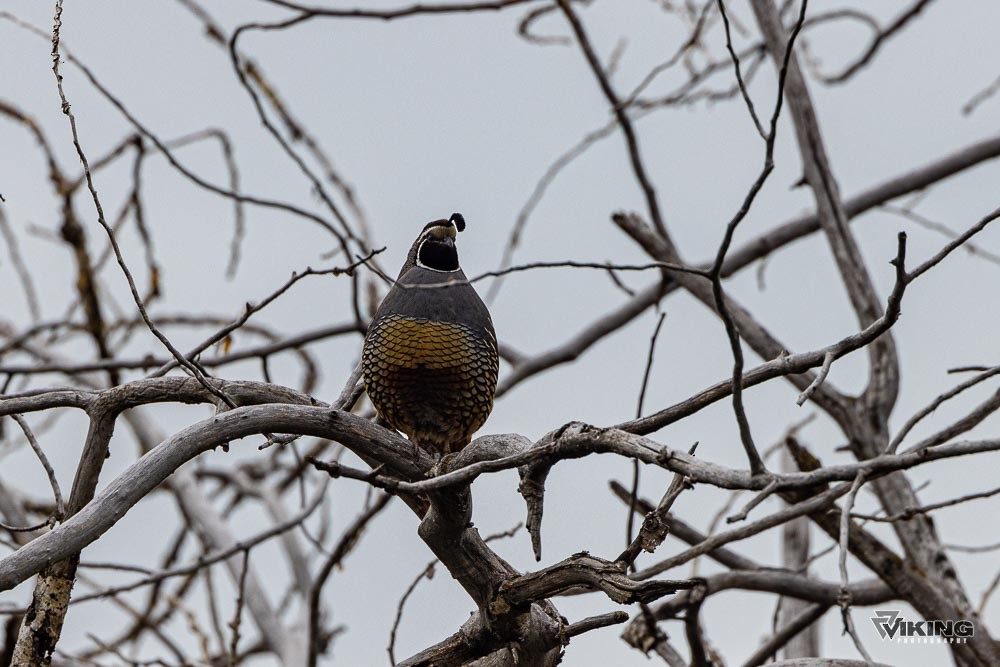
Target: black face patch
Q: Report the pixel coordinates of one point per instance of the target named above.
(439, 255)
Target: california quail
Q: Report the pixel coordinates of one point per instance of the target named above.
(430, 359)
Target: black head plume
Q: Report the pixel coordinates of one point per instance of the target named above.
(458, 220)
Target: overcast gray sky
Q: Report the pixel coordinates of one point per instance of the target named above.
(456, 113)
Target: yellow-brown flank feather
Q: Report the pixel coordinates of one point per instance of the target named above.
(434, 381)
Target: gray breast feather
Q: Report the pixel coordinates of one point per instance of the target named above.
(459, 303)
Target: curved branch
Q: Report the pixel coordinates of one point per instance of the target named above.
(98, 516)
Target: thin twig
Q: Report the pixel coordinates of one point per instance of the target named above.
(912, 512)
(845, 597)
(49, 472)
(426, 573)
(629, 522)
(211, 558)
(346, 544)
(238, 614)
(757, 466)
(739, 76)
(190, 366)
(817, 381)
(758, 498)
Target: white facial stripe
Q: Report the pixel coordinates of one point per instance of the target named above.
(430, 268)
